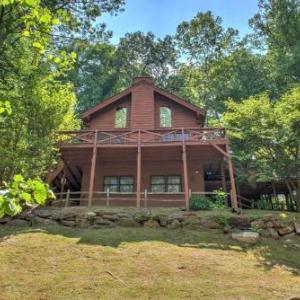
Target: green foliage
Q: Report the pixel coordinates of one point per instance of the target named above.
(201, 203)
(220, 196)
(265, 137)
(223, 220)
(263, 204)
(20, 193)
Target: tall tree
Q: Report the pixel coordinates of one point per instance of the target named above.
(33, 69)
(265, 136)
(203, 41)
(144, 54)
(277, 23)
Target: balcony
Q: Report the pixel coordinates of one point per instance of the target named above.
(190, 136)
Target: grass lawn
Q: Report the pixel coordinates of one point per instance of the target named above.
(143, 263)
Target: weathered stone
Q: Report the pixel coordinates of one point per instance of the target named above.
(227, 229)
(174, 224)
(297, 227)
(258, 224)
(102, 221)
(267, 218)
(110, 217)
(18, 222)
(162, 219)
(43, 213)
(126, 222)
(124, 215)
(36, 220)
(83, 223)
(265, 233)
(68, 223)
(90, 215)
(4, 220)
(151, 224)
(285, 230)
(273, 233)
(240, 222)
(174, 216)
(212, 224)
(191, 220)
(249, 237)
(270, 224)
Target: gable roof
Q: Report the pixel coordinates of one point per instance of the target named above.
(128, 91)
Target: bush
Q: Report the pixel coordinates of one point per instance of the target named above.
(220, 199)
(201, 203)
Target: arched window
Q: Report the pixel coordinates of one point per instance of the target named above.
(121, 117)
(165, 116)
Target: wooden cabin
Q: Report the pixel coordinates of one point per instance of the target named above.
(144, 147)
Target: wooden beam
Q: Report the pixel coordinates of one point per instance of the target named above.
(93, 167)
(185, 174)
(234, 202)
(226, 154)
(51, 175)
(138, 172)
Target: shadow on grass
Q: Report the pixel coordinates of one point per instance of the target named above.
(269, 253)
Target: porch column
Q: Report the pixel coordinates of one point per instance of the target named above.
(185, 174)
(138, 172)
(93, 167)
(223, 177)
(234, 202)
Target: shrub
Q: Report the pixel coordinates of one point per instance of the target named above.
(200, 203)
(223, 220)
(220, 199)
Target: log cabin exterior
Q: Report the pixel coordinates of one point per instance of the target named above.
(144, 147)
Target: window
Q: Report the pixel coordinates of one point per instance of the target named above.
(121, 117)
(115, 184)
(165, 117)
(171, 184)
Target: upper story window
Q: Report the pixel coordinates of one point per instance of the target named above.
(165, 116)
(121, 117)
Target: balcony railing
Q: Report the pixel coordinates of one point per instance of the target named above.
(142, 136)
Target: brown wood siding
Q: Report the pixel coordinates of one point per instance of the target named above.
(142, 110)
(181, 116)
(154, 162)
(105, 119)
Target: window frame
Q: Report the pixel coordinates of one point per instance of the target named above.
(160, 117)
(119, 184)
(120, 108)
(166, 183)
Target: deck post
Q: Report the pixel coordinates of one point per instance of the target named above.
(138, 172)
(234, 202)
(93, 167)
(146, 198)
(67, 198)
(185, 173)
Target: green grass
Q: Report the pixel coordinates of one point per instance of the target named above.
(143, 263)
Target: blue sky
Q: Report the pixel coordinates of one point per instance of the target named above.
(162, 16)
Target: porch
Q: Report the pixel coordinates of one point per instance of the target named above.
(187, 153)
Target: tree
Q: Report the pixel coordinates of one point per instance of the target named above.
(265, 137)
(277, 24)
(203, 41)
(143, 54)
(96, 74)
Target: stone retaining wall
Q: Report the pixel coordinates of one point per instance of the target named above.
(266, 226)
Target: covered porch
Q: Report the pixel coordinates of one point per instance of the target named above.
(144, 168)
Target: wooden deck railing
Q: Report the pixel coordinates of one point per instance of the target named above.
(143, 136)
(102, 198)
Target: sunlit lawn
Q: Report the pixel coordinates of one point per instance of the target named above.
(125, 263)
